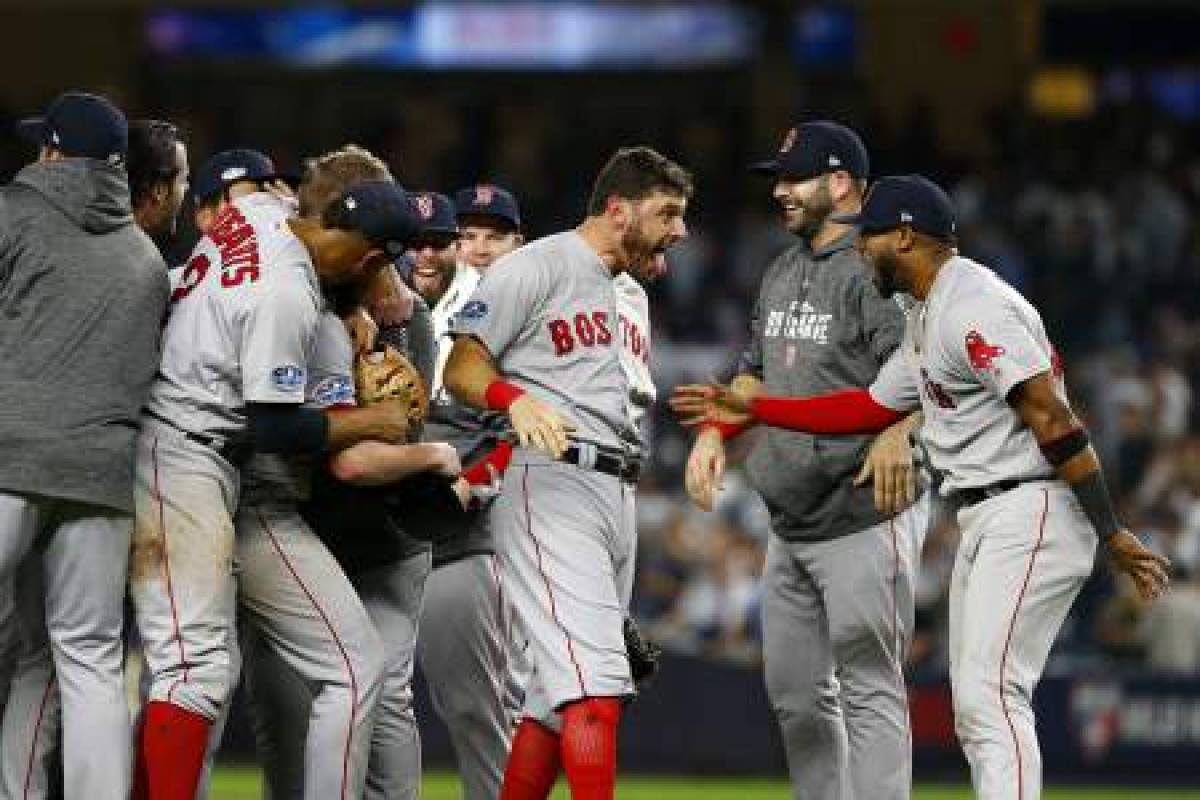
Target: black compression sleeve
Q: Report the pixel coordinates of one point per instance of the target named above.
(287, 429)
(1093, 497)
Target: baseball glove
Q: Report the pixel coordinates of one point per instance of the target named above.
(387, 375)
(644, 655)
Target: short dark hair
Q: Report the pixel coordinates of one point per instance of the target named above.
(151, 157)
(636, 172)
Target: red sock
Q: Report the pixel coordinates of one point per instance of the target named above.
(532, 763)
(589, 747)
(172, 749)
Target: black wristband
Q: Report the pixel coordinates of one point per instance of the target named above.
(1093, 497)
(1065, 447)
(287, 429)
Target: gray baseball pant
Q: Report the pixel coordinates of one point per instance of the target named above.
(301, 603)
(462, 653)
(837, 615)
(72, 596)
(281, 700)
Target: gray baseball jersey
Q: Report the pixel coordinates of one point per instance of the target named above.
(547, 313)
(1024, 552)
(243, 313)
(971, 341)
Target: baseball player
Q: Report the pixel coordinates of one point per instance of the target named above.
(232, 378)
(538, 341)
(83, 291)
(466, 618)
(157, 167)
(1017, 463)
(838, 579)
(386, 566)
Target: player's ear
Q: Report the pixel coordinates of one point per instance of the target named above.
(619, 210)
(906, 239)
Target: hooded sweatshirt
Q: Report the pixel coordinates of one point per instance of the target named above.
(83, 293)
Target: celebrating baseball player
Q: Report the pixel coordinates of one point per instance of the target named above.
(838, 580)
(363, 530)
(232, 379)
(83, 296)
(464, 648)
(1031, 499)
(538, 341)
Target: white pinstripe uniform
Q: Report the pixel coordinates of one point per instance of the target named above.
(1025, 551)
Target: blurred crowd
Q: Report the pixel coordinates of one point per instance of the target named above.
(1095, 220)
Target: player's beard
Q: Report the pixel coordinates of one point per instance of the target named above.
(647, 259)
(886, 268)
(431, 278)
(813, 213)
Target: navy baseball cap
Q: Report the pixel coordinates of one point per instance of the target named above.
(81, 125)
(230, 166)
(487, 200)
(898, 200)
(436, 213)
(815, 148)
(381, 211)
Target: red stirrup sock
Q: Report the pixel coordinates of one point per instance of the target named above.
(172, 748)
(589, 747)
(533, 763)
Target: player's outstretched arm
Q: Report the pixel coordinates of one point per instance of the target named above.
(837, 413)
(471, 376)
(378, 464)
(1064, 441)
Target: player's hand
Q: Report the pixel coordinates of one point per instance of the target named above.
(362, 330)
(889, 465)
(695, 404)
(443, 460)
(706, 468)
(1148, 569)
(539, 425)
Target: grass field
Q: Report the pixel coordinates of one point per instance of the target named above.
(244, 784)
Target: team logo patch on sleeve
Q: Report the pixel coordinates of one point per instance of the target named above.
(288, 378)
(335, 390)
(474, 309)
(979, 352)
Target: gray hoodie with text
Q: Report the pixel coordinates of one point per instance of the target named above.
(83, 293)
(820, 325)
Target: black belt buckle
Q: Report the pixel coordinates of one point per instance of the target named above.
(619, 465)
(975, 495)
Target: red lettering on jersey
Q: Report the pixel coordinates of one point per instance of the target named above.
(193, 274)
(560, 334)
(238, 245)
(584, 330)
(979, 352)
(603, 335)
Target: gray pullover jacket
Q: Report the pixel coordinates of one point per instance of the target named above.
(83, 292)
(820, 325)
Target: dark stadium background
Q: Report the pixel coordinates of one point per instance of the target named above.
(1066, 130)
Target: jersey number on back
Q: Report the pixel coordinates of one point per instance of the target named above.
(238, 244)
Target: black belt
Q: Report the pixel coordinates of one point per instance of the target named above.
(620, 465)
(973, 495)
(232, 451)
